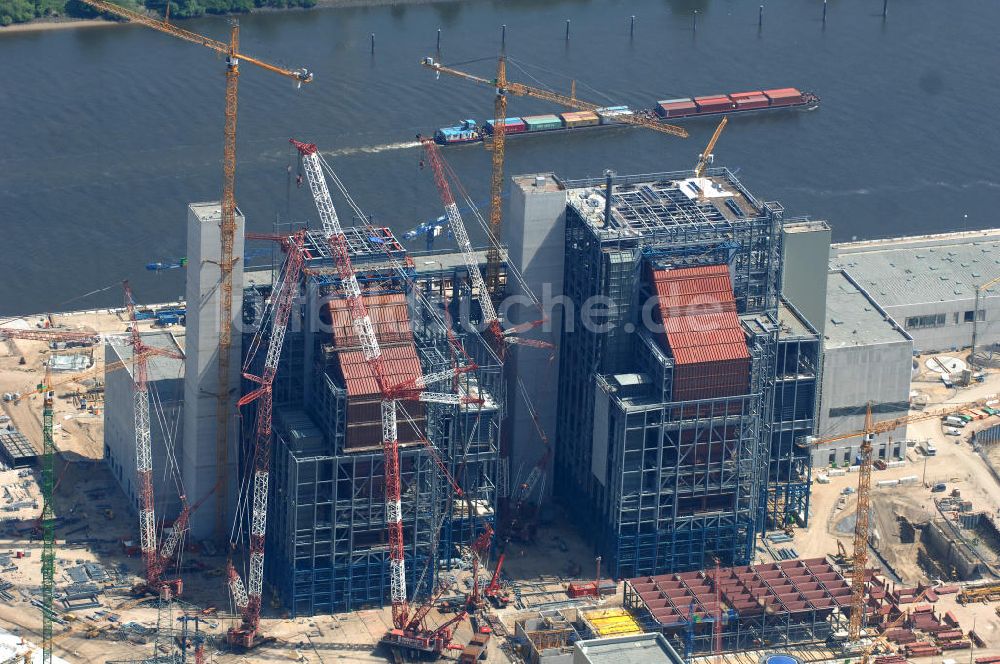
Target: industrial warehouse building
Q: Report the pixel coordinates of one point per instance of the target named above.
(928, 284)
(665, 431)
(867, 357)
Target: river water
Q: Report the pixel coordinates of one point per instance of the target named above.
(107, 133)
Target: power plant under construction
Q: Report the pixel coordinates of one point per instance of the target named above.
(395, 434)
(417, 455)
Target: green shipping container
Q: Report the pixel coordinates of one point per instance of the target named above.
(542, 122)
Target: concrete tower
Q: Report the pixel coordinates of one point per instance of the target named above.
(201, 384)
(535, 235)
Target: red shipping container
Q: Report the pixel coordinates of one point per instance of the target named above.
(713, 103)
(784, 96)
(745, 103)
(738, 95)
(676, 109)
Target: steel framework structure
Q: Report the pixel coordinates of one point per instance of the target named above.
(679, 482)
(796, 402)
(794, 602)
(328, 521)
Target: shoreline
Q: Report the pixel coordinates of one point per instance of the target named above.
(46, 24)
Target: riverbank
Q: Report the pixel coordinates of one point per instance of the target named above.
(64, 23)
(46, 24)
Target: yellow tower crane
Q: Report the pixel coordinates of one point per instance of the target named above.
(504, 87)
(705, 158)
(861, 529)
(227, 226)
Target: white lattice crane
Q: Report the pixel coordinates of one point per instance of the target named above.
(408, 629)
(248, 598)
(153, 561)
(458, 231)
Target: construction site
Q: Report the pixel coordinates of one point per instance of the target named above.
(360, 454)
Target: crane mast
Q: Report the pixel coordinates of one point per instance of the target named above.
(458, 230)
(227, 224)
(143, 449)
(48, 523)
(496, 178)
(861, 528)
(227, 233)
(155, 561)
(249, 601)
(408, 627)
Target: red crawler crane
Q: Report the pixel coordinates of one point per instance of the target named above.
(409, 631)
(457, 226)
(248, 600)
(155, 561)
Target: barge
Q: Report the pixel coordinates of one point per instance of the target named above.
(667, 110)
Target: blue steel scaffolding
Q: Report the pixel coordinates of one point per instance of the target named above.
(327, 538)
(668, 484)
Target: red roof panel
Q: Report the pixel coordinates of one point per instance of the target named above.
(388, 312)
(781, 93)
(701, 327)
(391, 318)
(400, 363)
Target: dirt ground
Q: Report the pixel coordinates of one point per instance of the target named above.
(956, 465)
(95, 519)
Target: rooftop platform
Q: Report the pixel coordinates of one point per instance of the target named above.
(792, 323)
(644, 204)
(922, 269)
(854, 318)
(159, 367)
(638, 649)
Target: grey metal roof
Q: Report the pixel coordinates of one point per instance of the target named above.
(930, 268)
(853, 318)
(638, 649)
(158, 367)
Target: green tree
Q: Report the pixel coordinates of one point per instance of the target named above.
(16, 11)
